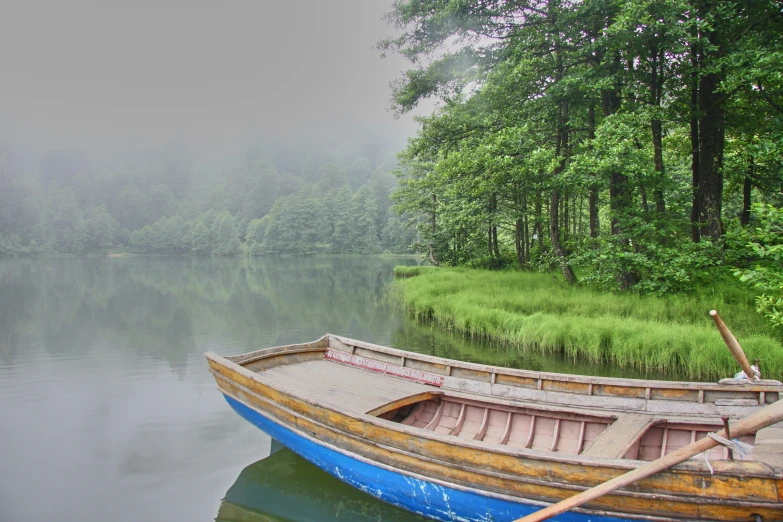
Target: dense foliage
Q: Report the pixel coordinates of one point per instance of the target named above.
(169, 201)
(622, 139)
(763, 267)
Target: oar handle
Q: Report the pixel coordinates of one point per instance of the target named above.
(762, 418)
(734, 346)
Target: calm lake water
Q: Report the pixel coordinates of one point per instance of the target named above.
(107, 408)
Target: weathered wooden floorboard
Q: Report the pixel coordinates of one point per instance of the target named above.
(325, 381)
(769, 445)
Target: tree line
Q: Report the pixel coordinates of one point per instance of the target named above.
(626, 139)
(289, 201)
(633, 145)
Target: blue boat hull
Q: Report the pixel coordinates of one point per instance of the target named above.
(416, 495)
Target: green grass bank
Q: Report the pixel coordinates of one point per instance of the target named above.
(536, 311)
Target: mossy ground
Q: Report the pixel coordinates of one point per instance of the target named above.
(540, 312)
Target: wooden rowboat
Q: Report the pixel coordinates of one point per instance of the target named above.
(462, 441)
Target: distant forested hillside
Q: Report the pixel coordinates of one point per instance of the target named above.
(174, 200)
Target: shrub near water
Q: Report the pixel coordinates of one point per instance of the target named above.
(537, 311)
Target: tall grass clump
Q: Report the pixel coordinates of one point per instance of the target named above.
(537, 311)
(410, 271)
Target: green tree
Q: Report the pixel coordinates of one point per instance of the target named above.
(555, 114)
(395, 237)
(202, 235)
(343, 238)
(256, 231)
(365, 210)
(129, 209)
(62, 221)
(762, 267)
(261, 190)
(101, 229)
(226, 240)
(159, 203)
(176, 235)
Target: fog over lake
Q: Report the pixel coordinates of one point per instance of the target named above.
(114, 74)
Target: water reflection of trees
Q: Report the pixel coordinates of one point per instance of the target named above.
(168, 309)
(172, 309)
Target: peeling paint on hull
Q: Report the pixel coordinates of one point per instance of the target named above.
(416, 495)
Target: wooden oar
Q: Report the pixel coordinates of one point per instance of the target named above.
(734, 346)
(750, 424)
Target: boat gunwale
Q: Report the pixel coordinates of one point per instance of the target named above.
(567, 377)
(322, 344)
(699, 467)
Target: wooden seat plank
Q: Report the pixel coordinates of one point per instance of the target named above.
(617, 438)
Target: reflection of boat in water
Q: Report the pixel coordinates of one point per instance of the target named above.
(451, 439)
(285, 487)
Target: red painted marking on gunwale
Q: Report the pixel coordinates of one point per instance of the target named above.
(383, 367)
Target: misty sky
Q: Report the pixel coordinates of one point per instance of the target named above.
(139, 71)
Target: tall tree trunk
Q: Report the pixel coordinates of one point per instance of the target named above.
(573, 217)
(657, 133)
(536, 237)
(619, 202)
(554, 236)
(562, 152)
(747, 186)
(566, 220)
(656, 94)
(433, 225)
(694, 126)
(619, 192)
(618, 199)
(592, 199)
(599, 23)
(554, 202)
(643, 193)
(489, 240)
(492, 233)
(519, 242)
(537, 225)
(711, 122)
(619, 188)
(711, 143)
(592, 202)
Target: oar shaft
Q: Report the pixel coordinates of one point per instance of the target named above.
(734, 346)
(750, 424)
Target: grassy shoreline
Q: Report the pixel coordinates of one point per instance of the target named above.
(537, 312)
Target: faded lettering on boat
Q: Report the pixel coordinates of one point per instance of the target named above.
(384, 367)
